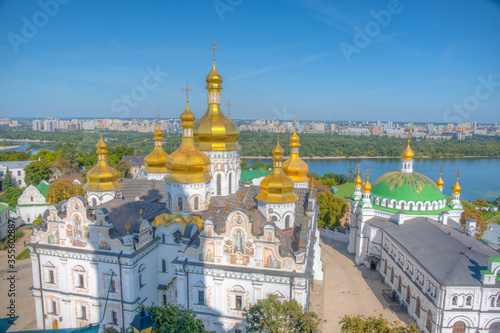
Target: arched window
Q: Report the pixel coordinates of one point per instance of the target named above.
(459, 327)
(399, 284)
(230, 182)
(177, 236)
(179, 203)
(392, 274)
(385, 267)
(287, 222)
(394, 205)
(417, 307)
(468, 300)
(163, 266)
(164, 297)
(427, 206)
(219, 181)
(410, 207)
(419, 206)
(94, 202)
(163, 238)
(454, 300)
(196, 203)
(428, 323)
(274, 219)
(169, 199)
(408, 295)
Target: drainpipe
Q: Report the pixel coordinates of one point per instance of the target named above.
(292, 278)
(187, 281)
(41, 286)
(121, 290)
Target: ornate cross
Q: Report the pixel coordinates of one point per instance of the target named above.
(187, 90)
(228, 107)
(358, 165)
(214, 48)
(458, 173)
(441, 171)
(409, 133)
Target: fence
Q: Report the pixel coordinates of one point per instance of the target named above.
(334, 235)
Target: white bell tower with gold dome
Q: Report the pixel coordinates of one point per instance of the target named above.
(217, 137)
(187, 182)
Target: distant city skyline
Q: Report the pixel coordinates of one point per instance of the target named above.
(405, 61)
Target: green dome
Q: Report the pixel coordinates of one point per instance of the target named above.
(406, 186)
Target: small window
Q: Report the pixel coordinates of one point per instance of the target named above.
(83, 312)
(237, 331)
(163, 266)
(417, 307)
(239, 302)
(392, 274)
(230, 182)
(29, 219)
(163, 238)
(113, 286)
(81, 281)
(287, 222)
(274, 219)
(31, 199)
(454, 300)
(114, 318)
(164, 298)
(201, 297)
(179, 203)
(468, 301)
(19, 173)
(141, 282)
(219, 181)
(408, 294)
(196, 203)
(428, 324)
(177, 236)
(19, 182)
(51, 276)
(54, 307)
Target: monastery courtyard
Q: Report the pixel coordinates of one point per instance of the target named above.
(348, 289)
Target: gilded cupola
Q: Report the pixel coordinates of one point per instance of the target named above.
(440, 181)
(367, 187)
(214, 131)
(358, 181)
(294, 167)
(408, 153)
(457, 188)
(102, 177)
(188, 164)
(277, 187)
(156, 161)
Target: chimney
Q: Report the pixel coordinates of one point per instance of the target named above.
(470, 226)
(444, 217)
(401, 217)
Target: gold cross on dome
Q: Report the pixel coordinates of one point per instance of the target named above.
(368, 171)
(458, 173)
(409, 133)
(157, 115)
(214, 48)
(229, 107)
(441, 172)
(187, 90)
(100, 126)
(359, 166)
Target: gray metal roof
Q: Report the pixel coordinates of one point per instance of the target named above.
(444, 251)
(15, 164)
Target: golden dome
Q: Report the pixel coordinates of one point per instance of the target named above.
(358, 181)
(102, 177)
(367, 187)
(456, 188)
(277, 187)
(408, 153)
(294, 167)
(213, 131)
(156, 161)
(188, 164)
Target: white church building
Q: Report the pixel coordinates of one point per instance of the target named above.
(444, 278)
(190, 234)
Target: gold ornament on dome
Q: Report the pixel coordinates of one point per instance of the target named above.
(440, 181)
(239, 196)
(127, 227)
(408, 153)
(457, 188)
(156, 161)
(294, 167)
(210, 210)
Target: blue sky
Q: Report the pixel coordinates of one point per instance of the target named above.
(324, 60)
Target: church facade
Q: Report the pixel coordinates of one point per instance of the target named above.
(190, 234)
(444, 278)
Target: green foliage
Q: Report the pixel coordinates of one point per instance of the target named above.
(14, 156)
(122, 168)
(258, 164)
(480, 202)
(18, 233)
(69, 153)
(270, 315)
(37, 171)
(110, 329)
(11, 195)
(63, 167)
(63, 189)
(8, 182)
(38, 219)
(23, 255)
(46, 155)
(244, 165)
(169, 318)
(331, 209)
(362, 324)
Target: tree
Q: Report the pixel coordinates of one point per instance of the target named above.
(63, 189)
(480, 202)
(351, 173)
(497, 202)
(8, 181)
(257, 164)
(169, 318)
(63, 167)
(37, 171)
(476, 215)
(123, 169)
(46, 155)
(270, 315)
(11, 195)
(69, 153)
(362, 324)
(38, 220)
(244, 165)
(331, 209)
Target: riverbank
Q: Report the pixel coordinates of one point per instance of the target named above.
(364, 157)
(8, 147)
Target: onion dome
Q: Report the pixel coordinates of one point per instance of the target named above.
(358, 181)
(456, 188)
(367, 187)
(440, 181)
(156, 161)
(294, 167)
(213, 131)
(277, 187)
(408, 153)
(188, 164)
(102, 177)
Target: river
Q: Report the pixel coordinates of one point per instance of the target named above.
(479, 177)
